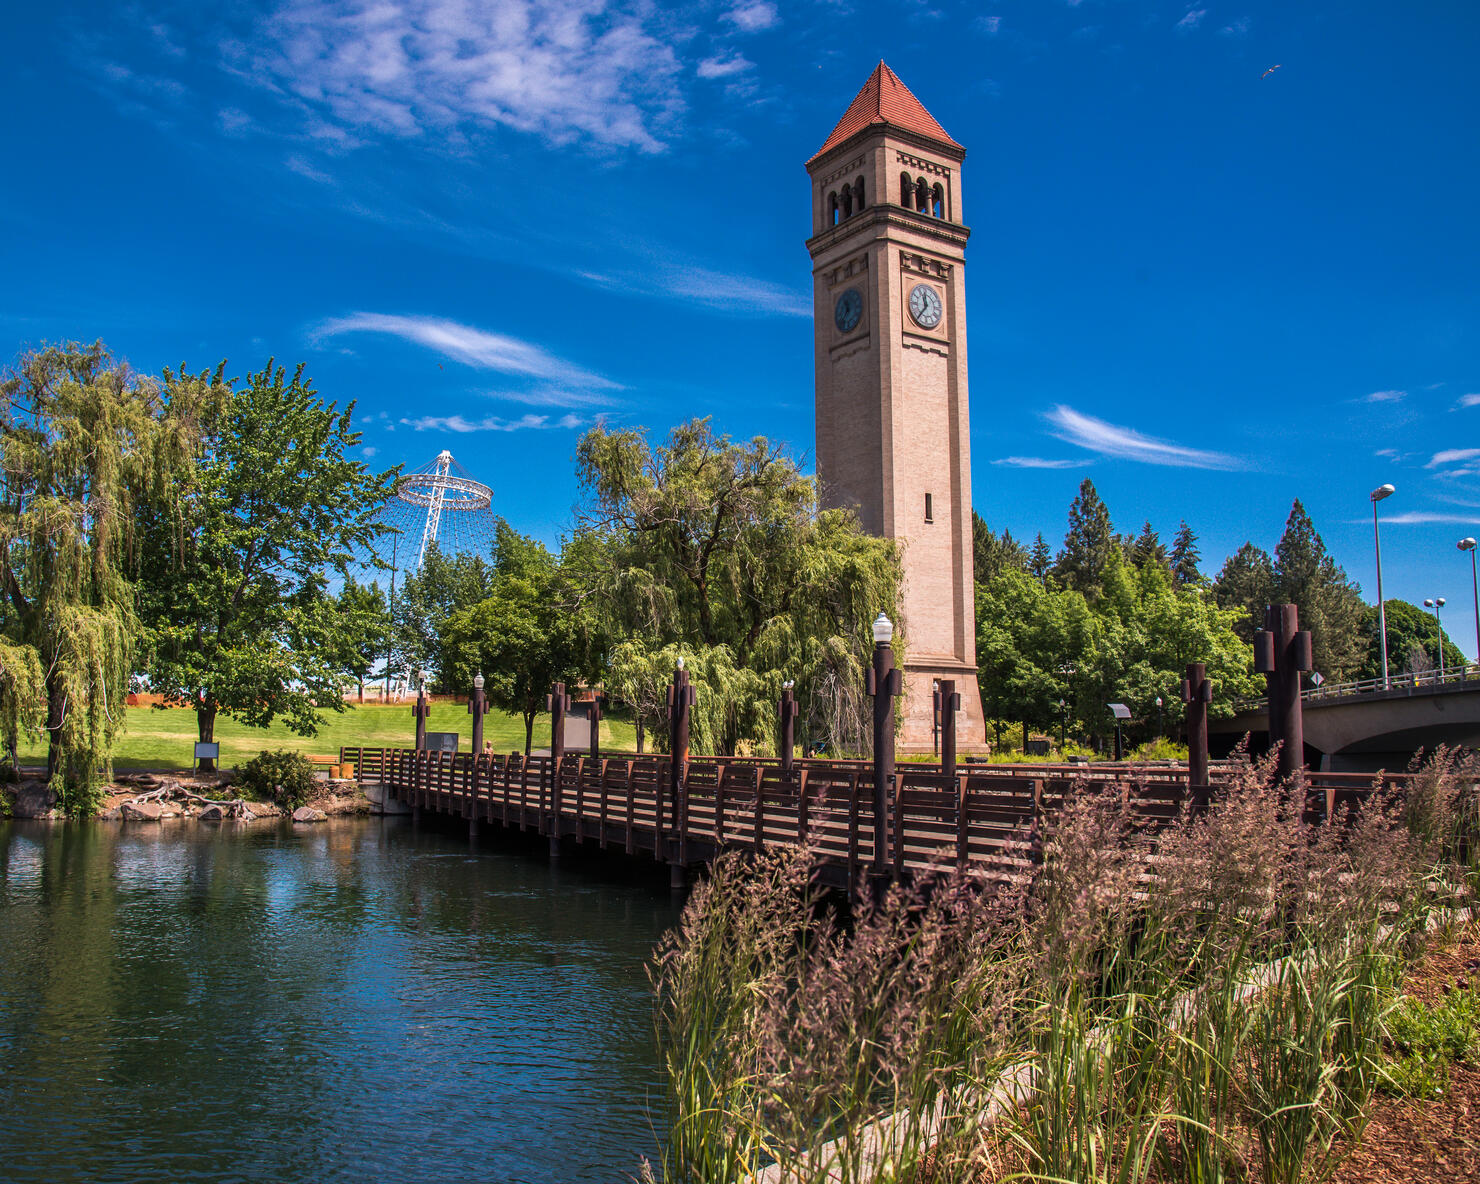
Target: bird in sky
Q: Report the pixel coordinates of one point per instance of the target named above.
(1268, 72)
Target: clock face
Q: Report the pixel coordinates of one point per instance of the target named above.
(848, 310)
(925, 306)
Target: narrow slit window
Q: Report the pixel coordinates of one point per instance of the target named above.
(929, 508)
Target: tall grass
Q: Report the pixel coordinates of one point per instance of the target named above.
(1205, 1002)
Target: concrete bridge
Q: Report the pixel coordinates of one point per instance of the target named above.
(1365, 726)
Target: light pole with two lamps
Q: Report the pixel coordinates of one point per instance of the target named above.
(1378, 494)
(1436, 604)
(1469, 545)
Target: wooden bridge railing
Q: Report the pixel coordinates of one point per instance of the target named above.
(984, 815)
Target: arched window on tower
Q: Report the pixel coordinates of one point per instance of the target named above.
(832, 209)
(906, 191)
(922, 197)
(938, 201)
(858, 194)
(847, 201)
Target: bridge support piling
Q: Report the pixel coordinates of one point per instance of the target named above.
(1197, 693)
(1282, 652)
(678, 876)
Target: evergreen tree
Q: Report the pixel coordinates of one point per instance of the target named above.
(1040, 560)
(1185, 556)
(1089, 546)
(1330, 605)
(993, 554)
(1146, 549)
(1246, 583)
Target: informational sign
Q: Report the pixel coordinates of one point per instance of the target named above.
(208, 750)
(442, 741)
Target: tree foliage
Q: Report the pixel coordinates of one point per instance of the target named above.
(428, 599)
(1245, 584)
(1089, 545)
(992, 553)
(524, 637)
(240, 618)
(84, 443)
(1412, 638)
(720, 548)
(1330, 605)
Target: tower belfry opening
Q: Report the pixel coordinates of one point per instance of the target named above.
(893, 422)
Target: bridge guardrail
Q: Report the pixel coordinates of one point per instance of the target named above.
(1470, 672)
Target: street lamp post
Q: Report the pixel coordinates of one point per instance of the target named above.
(1378, 494)
(1063, 723)
(1160, 727)
(884, 686)
(1436, 604)
(1469, 545)
(478, 708)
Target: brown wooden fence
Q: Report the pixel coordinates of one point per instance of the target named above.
(984, 815)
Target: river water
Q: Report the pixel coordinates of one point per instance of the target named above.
(356, 1000)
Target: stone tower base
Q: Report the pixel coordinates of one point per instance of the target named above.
(917, 730)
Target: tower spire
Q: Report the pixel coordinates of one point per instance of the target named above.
(884, 99)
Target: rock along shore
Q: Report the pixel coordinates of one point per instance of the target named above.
(159, 797)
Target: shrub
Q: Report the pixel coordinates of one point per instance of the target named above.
(282, 777)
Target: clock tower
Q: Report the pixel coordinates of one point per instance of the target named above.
(893, 441)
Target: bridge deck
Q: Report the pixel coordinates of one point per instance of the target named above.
(984, 816)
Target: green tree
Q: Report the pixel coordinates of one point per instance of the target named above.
(239, 616)
(1245, 583)
(1040, 559)
(706, 543)
(1330, 605)
(84, 443)
(1089, 544)
(1184, 558)
(428, 598)
(1412, 637)
(366, 631)
(1030, 639)
(523, 638)
(993, 553)
(1147, 549)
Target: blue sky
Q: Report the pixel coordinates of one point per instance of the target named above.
(491, 223)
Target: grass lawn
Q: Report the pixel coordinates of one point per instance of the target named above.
(162, 739)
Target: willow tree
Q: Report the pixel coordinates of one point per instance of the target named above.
(83, 442)
(719, 549)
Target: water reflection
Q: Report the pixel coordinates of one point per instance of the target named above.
(341, 1002)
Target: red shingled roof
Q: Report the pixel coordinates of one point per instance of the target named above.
(885, 99)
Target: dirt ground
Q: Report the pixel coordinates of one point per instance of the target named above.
(1433, 1140)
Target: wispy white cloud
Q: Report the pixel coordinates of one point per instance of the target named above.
(369, 451)
(1191, 19)
(1385, 397)
(1038, 462)
(1236, 28)
(725, 292)
(471, 346)
(598, 71)
(1108, 439)
(1451, 456)
(1424, 517)
(723, 66)
(1472, 400)
(489, 423)
(753, 16)
(990, 25)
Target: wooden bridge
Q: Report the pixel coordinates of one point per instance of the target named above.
(983, 815)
